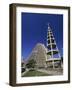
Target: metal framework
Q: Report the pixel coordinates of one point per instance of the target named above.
(52, 48)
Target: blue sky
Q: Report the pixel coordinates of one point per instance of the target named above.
(34, 30)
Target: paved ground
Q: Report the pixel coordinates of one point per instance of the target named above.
(49, 71)
(56, 71)
(24, 72)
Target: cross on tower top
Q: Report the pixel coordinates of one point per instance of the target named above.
(48, 26)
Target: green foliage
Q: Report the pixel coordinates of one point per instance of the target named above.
(62, 59)
(31, 64)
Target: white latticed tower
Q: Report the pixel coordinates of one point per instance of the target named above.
(55, 57)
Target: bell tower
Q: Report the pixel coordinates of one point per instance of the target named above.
(53, 51)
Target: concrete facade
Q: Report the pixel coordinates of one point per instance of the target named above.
(39, 54)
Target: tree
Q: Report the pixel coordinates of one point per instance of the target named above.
(31, 64)
(62, 59)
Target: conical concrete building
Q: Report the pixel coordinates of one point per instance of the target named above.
(39, 54)
(55, 59)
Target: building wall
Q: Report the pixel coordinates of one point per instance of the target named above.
(39, 55)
